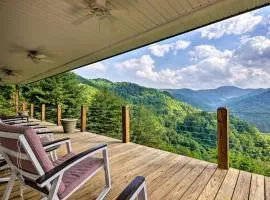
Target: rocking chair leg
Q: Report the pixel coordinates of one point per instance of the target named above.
(107, 175)
(9, 186)
(142, 194)
(22, 185)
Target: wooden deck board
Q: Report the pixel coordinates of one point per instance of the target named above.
(227, 188)
(168, 176)
(267, 188)
(211, 189)
(186, 181)
(242, 187)
(256, 187)
(199, 184)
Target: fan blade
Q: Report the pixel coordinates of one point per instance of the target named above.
(83, 19)
(76, 7)
(116, 12)
(109, 22)
(47, 61)
(17, 49)
(41, 56)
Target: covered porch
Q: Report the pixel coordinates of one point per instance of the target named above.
(168, 175)
(42, 38)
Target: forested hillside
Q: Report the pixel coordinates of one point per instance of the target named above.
(254, 108)
(157, 119)
(251, 105)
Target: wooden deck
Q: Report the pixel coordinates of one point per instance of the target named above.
(168, 176)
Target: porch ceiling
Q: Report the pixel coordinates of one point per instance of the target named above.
(57, 28)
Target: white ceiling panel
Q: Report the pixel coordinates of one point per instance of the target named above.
(64, 32)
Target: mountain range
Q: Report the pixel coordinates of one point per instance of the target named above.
(249, 104)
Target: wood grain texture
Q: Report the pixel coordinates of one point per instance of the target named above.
(256, 187)
(59, 115)
(267, 188)
(223, 138)
(167, 175)
(31, 111)
(242, 188)
(43, 112)
(125, 124)
(83, 118)
(213, 185)
(199, 184)
(185, 182)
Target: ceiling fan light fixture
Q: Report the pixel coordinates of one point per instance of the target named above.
(35, 56)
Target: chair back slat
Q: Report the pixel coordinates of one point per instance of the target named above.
(13, 150)
(24, 150)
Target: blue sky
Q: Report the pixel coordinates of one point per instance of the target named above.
(232, 52)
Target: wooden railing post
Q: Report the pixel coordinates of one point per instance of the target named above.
(31, 111)
(17, 99)
(24, 106)
(43, 112)
(83, 118)
(125, 124)
(59, 115)
(223, 137)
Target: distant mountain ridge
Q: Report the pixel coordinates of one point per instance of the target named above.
(249, 104)
(212, 98)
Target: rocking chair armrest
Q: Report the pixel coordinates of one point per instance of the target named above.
(132, 188)
(15, 122)
(14, 119)
(37, 127)
(32, 124)
(61, 168)
(45, 133)
(56, 143)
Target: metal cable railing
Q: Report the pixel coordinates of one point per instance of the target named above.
(106, 121)
(180, 134)
(51, 113)
(249, 147)
(37, 112)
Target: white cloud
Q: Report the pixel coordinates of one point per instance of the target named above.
(254, 52)
(92, 71)
(98, 67)
(266, 23)
(143, 67)
(247, 66)
(161, 49)
(234, 26)
(182, 44)
(206, 51)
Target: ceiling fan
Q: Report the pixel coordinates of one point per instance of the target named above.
(35, 55)
(9, 72)
(99, 9)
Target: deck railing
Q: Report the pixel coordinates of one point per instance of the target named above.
(220, 140)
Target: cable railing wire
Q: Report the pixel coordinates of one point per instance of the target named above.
(106, 121)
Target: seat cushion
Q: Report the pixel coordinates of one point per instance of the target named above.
(63, 158)
(79, 173)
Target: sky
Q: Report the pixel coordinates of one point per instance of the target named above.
(234, 52)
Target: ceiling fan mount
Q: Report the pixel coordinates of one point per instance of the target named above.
(35, 56)
(98, 8)
(8, 72)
